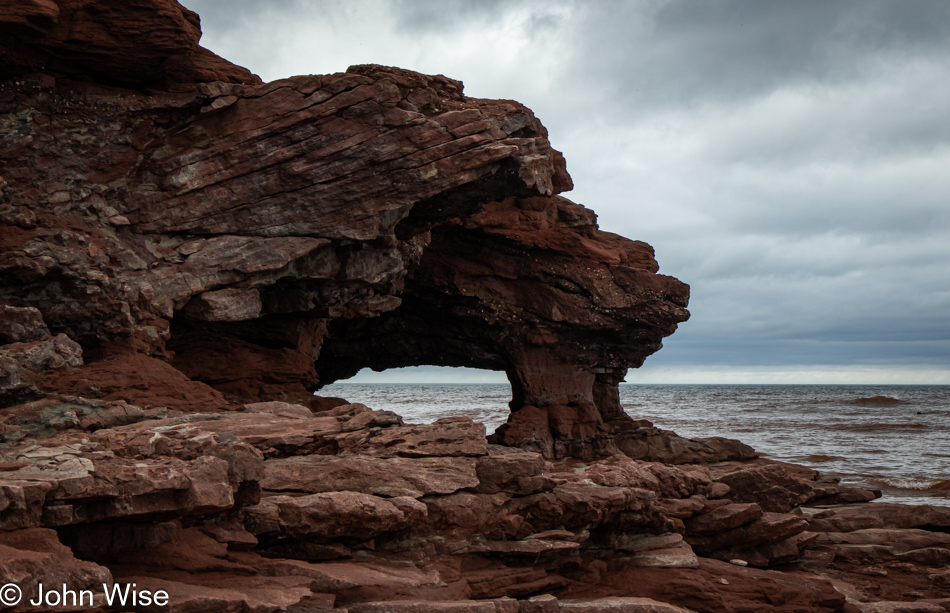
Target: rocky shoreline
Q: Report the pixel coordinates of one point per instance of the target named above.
(187, 254)
(271, 506)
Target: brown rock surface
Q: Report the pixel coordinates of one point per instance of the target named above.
(266, 239)
(174, 503)
(720, 518)
(881, 515)
(33, 556)
(779, 487)
(618, 605)
(369, 475)
(138, 42)
(183, 264)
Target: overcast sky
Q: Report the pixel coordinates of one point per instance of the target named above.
(789, 160)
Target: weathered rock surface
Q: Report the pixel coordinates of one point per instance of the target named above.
(190, 504)
(779, 487)
(186, 254)
(266, 239)
(141, 42)
(379, 476)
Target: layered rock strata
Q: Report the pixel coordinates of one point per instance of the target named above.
(184, 250)
(272, 507)
(267, 239)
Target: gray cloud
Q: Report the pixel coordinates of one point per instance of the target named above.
(687, 53)
(787, 159)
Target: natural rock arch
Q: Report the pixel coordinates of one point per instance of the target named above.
(529, 286)
(267, 239)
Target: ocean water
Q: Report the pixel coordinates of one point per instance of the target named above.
(892, 438)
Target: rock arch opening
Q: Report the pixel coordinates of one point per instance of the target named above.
(393, 222)
(526, 286)
(425, 394)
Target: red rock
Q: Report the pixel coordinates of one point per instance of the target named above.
(21, 363)
(413, 192)
(621, 471)
(275, 435)
(464, 514)
(446, 437)
(413, 477)
(897, 539)
(768, 529)
(773, 486)
(511, 471)
(545, 603)
(661, 446)
(343, 577)
(718, 490)
(231, 534)
(880, 515)
(745, 590)
(282, 409)
(138, 380)
(723, 518)
(782, 552)
(319, 404)
(84, 483)
(618, 605)
(132, 43)
(530, 548)
(643, 542)
(680, 556)
(34, 555)
(424, 606)
(119, 414)
(683, 508)
(661, 551)
(371, 419)
(327, 516)
(504, 581)
(900, 607)
(573, 505)
(165, 546)
(232, 594)
(21, 502)
(221, 248)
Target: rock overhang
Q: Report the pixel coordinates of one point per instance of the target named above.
(269, 238)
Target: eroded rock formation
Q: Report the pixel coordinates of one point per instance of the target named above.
(271, 507)
(184, 249)
(267, 239)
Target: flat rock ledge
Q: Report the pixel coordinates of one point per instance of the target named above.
(273, 507)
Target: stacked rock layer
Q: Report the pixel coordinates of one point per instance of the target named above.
(187, 254)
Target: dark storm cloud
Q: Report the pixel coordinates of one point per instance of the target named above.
(738, 48)
(787, 159)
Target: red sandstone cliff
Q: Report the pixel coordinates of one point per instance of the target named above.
(187, 253)
(270, 238)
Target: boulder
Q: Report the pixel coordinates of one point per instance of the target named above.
(326, 516)
(21, 324)
(717, 518)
